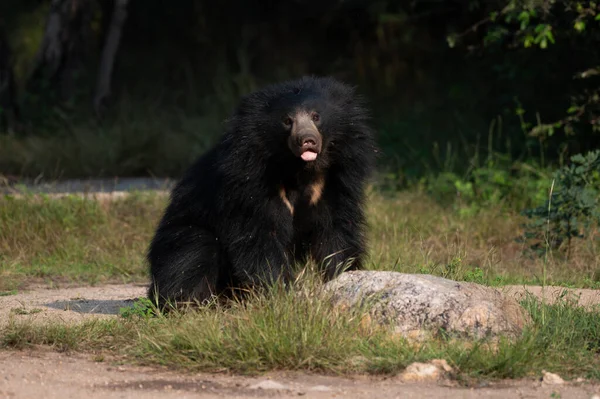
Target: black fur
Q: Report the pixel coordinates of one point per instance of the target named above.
(227, 225)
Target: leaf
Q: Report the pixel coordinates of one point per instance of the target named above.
(451, 39)
(524, 18)
(579, 26)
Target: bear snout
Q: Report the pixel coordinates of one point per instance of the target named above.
(308, 145)
(309, 140)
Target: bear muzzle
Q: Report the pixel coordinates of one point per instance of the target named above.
(309, 142)
(305, 140)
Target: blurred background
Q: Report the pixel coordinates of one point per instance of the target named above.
(99, 88)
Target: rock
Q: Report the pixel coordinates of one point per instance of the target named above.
(418, 305)
(268, 384)
(426, 371)
(551, 378)
(442, 364)
(320, 388)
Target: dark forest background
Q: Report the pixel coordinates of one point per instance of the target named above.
(94, 88)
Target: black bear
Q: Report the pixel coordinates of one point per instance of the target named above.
(285, 182)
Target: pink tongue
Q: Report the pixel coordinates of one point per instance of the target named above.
(309, 155)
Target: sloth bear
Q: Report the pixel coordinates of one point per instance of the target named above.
(286, 182)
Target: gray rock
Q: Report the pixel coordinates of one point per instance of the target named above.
(419, 305)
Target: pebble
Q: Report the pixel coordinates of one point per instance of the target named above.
(426, 371)
(551, 378)
(320, 388)
(267, 384)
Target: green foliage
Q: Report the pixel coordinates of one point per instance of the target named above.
(487, 187)
(183, 69)
(572, 208)
(537, 24)
(142, 307)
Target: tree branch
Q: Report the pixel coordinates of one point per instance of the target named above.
(109, 52)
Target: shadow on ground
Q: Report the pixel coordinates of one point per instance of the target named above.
(92, 306)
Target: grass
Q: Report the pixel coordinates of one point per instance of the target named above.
(82, 241)
(76, 240)
(410, 232)
(302, 330)
(126, 143)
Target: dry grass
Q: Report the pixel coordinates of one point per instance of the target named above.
(78, 240)
(75, 240)
(412, 233)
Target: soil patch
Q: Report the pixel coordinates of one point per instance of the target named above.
(42, 373)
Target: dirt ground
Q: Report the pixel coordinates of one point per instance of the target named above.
(41, 373)
(44, 373)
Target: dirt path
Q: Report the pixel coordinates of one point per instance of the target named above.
(52, 375)
(114, 185)
(69, 305)
(44, 373)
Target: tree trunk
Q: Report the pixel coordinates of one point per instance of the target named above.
(109, 52)
(9, 110)
(64, 47)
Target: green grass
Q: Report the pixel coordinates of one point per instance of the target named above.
(75, 240)
(302, 330)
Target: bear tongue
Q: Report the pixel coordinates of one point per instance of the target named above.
(309, 155)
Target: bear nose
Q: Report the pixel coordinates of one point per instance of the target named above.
(307, 139)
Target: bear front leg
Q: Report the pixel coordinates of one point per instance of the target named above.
(258, 241)
(338, 249)
(258, 246)
(260, 259)
(338, 242)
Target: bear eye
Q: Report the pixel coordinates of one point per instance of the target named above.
(316, 117)
(287, 121)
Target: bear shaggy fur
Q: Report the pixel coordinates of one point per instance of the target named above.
(286, 182)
